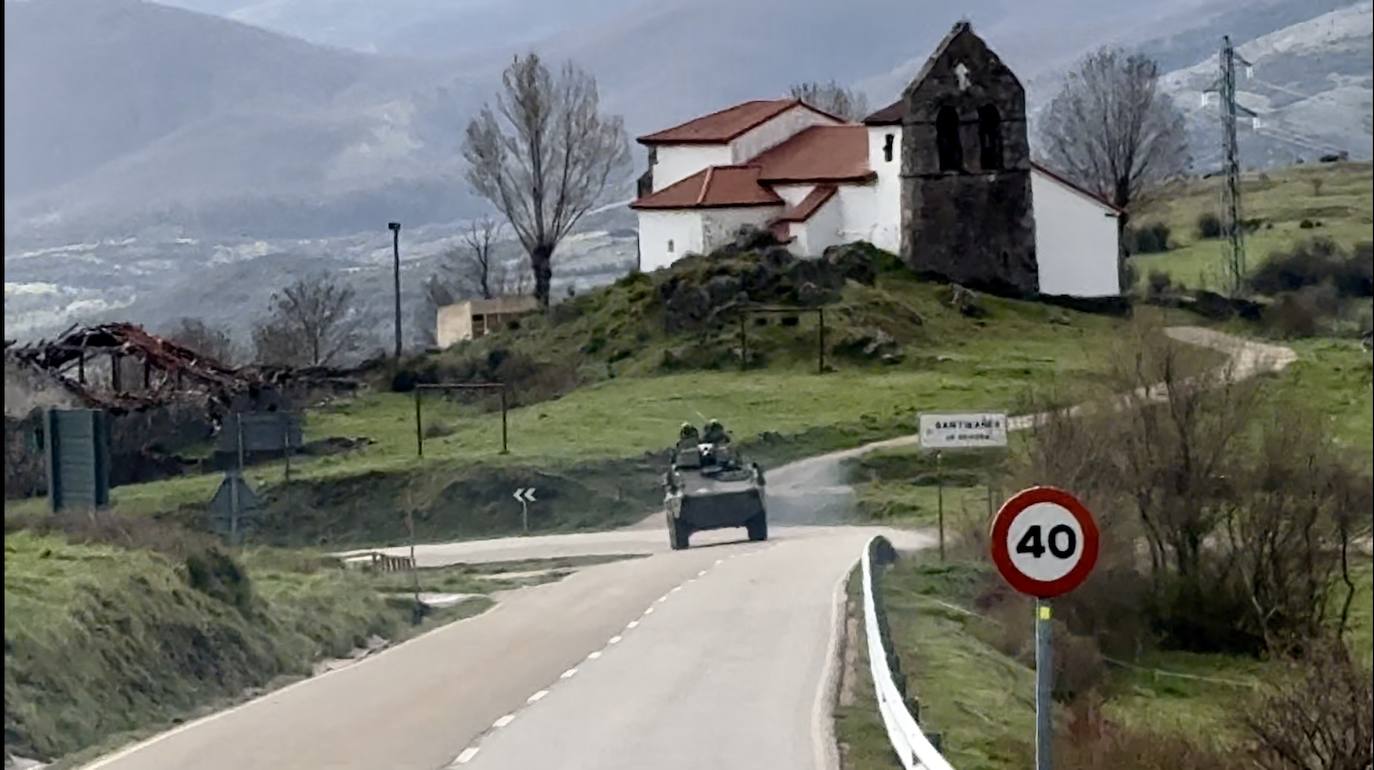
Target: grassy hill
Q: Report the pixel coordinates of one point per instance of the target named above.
(602, 383)
(1333, 199)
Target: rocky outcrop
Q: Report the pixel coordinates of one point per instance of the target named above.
(755, 269)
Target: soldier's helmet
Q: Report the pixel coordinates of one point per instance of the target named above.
(687, 431)
(714, 430)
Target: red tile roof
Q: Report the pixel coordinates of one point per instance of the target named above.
(891, 115)
(818, 154)
(714, 187)
(726, 124)
(808, 205)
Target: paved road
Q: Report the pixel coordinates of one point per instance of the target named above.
(711, 657)
(724, 672)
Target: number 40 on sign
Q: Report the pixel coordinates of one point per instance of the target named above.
(1044, 542)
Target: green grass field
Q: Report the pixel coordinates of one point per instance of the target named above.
(1281, 198)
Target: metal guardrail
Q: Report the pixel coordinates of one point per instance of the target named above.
(908, 740)
(379, 561)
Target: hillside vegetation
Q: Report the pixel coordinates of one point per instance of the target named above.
(602, 383)
(105, 642)
(1284, 206)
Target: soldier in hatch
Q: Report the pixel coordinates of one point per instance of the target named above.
(715, 433)
(686, 454)
(721, 453)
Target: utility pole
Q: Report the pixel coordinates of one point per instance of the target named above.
(395, 228)
(1230, 195)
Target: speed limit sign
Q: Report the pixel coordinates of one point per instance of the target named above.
(1044, 542)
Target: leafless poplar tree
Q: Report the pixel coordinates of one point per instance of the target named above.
(212, 341)
(313, 322)
(1112, 130)
(833, 98)
(543, 156)
(472, 264)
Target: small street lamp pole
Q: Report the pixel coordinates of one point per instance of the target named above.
(395, 228)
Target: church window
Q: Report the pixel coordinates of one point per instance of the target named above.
(887, 148)
(947, 145)
(989, 138)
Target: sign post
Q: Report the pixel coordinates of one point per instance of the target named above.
(940, 499)
(525, 496)
(1044, 543)
(980, 430)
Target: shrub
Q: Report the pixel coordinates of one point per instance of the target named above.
(1307, 224)
(1300, 313)
(1152, 238)
(1321, 717)
(1315, 261)
(1160, 283)
(1234, 510)
(215, 574)
(1208, 225)
(1078, 664)
(1091, 744)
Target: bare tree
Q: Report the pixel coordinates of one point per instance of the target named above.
(833, 98)
(313, 322)
(1319, 716)
(543, 156)
(436, 295)
(1237, 507)
(212, 341)
(1111, 129)
(473, 265)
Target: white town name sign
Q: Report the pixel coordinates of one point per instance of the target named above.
(964, 430)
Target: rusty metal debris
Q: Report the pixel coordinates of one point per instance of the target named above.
(122, 368)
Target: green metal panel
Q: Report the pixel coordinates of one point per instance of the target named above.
(78, 452)
(262, 432)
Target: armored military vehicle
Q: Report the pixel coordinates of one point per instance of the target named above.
(709, 487)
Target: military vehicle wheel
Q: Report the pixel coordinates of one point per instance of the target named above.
(758, 527)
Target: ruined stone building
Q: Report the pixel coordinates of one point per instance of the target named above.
(942, 176)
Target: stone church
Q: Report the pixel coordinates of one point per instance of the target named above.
(942, 176)
(965, 166)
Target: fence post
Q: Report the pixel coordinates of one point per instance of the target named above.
(940, 499)
(419, 435)
(820, 346)
(505, 449)
(743, 340)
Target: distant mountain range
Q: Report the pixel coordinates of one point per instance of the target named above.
(1311, 86)
(305, 125)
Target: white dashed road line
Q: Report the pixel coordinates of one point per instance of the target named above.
(467, 754)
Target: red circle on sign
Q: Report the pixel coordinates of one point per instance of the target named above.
(1001, 525)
